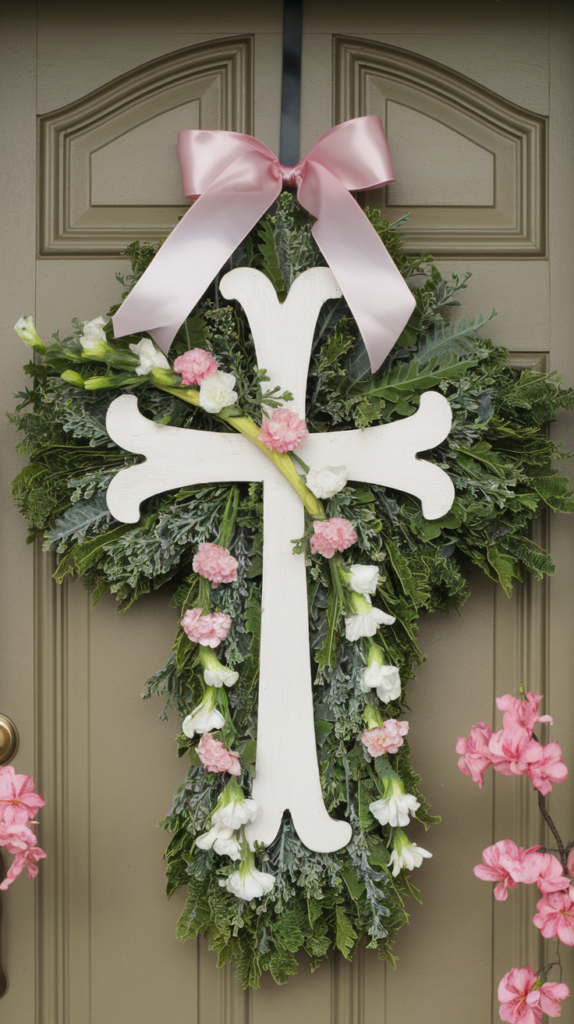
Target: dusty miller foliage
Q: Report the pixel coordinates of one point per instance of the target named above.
(500, 459)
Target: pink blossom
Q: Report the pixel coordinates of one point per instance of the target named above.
(475, 753)
(18, 802)
(207, 630)
(570, 863)
(387, 739)
(27, 858)
(215, 563)
(493, 869)
(216, 757)
(548, 768)
(513, 750)
(521, 712)
(283, 430)
(556, 916)
(332, 535)
(522, 1003)
(195, 366)
(16, 837)
(547, 872)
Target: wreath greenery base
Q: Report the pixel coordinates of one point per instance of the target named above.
(499, 457)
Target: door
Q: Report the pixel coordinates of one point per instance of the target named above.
(477, 105)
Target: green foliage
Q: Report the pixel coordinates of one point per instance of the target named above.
(501, 461)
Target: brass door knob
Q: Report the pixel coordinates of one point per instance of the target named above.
(9, 740)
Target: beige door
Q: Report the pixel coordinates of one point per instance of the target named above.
(477, 103)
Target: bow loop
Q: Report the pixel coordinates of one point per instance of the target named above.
(234, 179)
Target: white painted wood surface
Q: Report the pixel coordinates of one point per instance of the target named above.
(287, 775)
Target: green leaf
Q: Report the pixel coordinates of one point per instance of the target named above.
(346, 935)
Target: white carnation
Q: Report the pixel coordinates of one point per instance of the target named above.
(149, 355)
(395, 809)
(202, 719)
(248, 885)
(409, 856)
(324, 482)
(208, 839)
(363, 579)
(235, 813)
(385, 679)
(216, 391)
(367, 623)
(220, 676)
(228, 848)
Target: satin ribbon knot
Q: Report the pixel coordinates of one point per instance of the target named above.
(234, 179)
(291, 176)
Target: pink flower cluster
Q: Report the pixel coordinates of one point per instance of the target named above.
(215, 756)
(387, 739)
(523, 1000)
(507, 864)
(283, 430)
(195, 366)
(512, 750)
(18, 806)
(332, 535)
(207, 630)
(215, 564)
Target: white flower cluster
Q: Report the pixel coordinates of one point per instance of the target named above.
(233, 812)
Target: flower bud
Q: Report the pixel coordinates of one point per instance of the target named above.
(71, 377)
(372, 716)
(25, 330)
(167, 378)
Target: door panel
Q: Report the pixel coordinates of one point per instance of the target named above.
(102, 936)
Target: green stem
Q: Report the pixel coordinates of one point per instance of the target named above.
(229, 517)
(249, 428)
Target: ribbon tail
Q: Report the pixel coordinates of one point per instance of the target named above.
(380, 300)
(197, 248)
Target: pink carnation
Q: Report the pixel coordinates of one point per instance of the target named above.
(195, 366)
(522, 1003)
(521, 712)
(332, 535)
(475, 757)
(548, 768)
(387, 739)
(556, 916)
(18, 802)
(513, 750)
(207, 630)
(27, 858)
(216, 757)
(283, 430)
(215, 563)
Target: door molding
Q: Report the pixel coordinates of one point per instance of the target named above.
(217, 75)
(411, 92)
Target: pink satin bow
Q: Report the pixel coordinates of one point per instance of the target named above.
(235, 179)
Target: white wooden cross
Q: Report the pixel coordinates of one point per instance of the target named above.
(287, 773)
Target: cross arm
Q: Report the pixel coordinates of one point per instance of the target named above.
(387, 454)
(175, 457)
